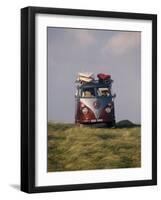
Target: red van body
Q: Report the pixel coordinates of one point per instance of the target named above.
(94, 102)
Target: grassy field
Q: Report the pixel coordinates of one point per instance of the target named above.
(85, 148)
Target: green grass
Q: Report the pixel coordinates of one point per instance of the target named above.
(85, 148)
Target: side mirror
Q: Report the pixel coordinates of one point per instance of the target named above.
(76, 95)
(114, 95)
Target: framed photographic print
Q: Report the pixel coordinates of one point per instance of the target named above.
(88, 99)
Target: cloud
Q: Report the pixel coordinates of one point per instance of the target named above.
(84, 38)
(122, 42)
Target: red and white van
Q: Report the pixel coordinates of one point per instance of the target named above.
(94, 101)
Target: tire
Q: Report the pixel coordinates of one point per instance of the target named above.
(111, 124)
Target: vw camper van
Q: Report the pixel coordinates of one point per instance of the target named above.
(94, 100)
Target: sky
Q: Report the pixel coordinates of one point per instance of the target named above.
(71, 51)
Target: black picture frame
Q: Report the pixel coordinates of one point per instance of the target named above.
(28, 98)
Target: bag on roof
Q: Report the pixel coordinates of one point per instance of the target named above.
(85, 77)
(103, 76)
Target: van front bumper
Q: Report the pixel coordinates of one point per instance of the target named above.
(90, 121)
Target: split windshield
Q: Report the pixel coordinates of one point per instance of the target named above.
(91, 92)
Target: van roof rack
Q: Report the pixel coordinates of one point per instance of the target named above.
(96, 83)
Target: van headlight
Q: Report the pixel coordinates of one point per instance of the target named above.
(85, 110)
(108, 110)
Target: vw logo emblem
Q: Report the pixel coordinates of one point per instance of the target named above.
(96, 104)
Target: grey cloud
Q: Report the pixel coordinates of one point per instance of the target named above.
(122, 42)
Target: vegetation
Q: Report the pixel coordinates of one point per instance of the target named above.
(84, 148)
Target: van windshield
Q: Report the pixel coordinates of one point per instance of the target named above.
(103, 92)
(88, 92)
(92, 92)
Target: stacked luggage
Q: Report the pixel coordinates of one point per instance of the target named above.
(89, 77)
(85, 77)
(104, 78)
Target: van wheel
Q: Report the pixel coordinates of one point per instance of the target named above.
(81, 125)
(77, 124)
(111, 124)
